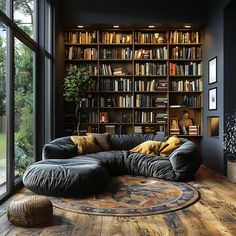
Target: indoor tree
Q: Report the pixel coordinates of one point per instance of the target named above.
(76, 83)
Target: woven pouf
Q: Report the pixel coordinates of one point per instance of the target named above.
(30, 210)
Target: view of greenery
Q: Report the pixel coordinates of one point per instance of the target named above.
(24, 96)
(2, 98)
(3, 5)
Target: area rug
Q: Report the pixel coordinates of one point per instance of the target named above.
(133, 196)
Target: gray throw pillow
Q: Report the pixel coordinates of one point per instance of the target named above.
(103, 140)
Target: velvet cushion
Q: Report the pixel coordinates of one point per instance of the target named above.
(86, 144)
(103, 140)
(173, 143)
(150, 147)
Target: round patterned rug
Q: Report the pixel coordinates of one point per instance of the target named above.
(133, 196)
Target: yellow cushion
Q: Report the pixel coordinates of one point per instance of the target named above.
(150, 147)
(86, 144)
(173, 143)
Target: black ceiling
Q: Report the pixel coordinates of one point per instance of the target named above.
(74, 12)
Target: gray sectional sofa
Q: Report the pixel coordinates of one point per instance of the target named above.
(63, 172)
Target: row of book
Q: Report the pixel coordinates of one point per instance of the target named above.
(117, 117)
(121, 84)
(156, 53)
(89, 117)
(116, 53)
(184, 37)
(140, 129)
(150, 69)
(81, 37)
(89, 101)
(186, 53)
(119, 101)
(114, 37)
(193, 68)
(150, 85)
(85, 37)
(107, 70)
(78, 53)
(147, 69)
(150, 117)
(187, 85)
(192, 100)
(125, 85)
(140, 37)
(143, 100)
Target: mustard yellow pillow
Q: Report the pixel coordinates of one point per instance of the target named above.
(173, 143)
(86, 144)
(150, 147)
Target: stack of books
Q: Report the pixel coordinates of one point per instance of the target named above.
(149, 129)
(138, 129)
(193, 130)
(161, 102)
(175, 131)
(111, 129)
(119, 71)
(160, 130)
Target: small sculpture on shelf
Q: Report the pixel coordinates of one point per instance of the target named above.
(185, 122)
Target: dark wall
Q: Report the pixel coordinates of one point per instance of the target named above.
(229, 61)
(135, 12)
(229, 57)
(212, 148)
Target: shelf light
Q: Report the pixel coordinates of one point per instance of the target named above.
(151, 26)
(188, 26)
(80, 26)
(116, 26)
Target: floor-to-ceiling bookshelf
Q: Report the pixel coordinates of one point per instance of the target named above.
(143, 78)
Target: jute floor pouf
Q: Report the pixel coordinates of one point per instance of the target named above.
(30, 210)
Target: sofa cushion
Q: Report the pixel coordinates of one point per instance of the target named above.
(173, 143)
(103, 140)
(150, 147)
(129, 141)
(59, 148)
(86, 144)
(76, 176)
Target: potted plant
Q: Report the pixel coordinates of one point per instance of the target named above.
(76, 84)
(230, 145)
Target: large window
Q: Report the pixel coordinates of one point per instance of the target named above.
(24, 107)
(25, 86)
(3, 118)
(24, 15)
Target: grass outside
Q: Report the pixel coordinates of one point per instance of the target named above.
(2, 151)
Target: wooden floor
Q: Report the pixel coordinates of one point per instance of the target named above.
(214, 214)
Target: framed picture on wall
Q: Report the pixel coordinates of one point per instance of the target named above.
(212, 70)
(212, 99)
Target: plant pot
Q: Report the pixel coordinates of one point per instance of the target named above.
(231, 168)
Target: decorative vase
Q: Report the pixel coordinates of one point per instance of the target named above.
(231, 168)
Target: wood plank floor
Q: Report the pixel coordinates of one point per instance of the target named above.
(213, 215)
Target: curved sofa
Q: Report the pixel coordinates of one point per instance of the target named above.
(63, 172)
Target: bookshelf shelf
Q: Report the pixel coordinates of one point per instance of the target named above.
(81, 44)
(164, 64)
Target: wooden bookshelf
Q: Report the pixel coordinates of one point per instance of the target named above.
(139, 74)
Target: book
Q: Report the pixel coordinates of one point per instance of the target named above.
(111, 129)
